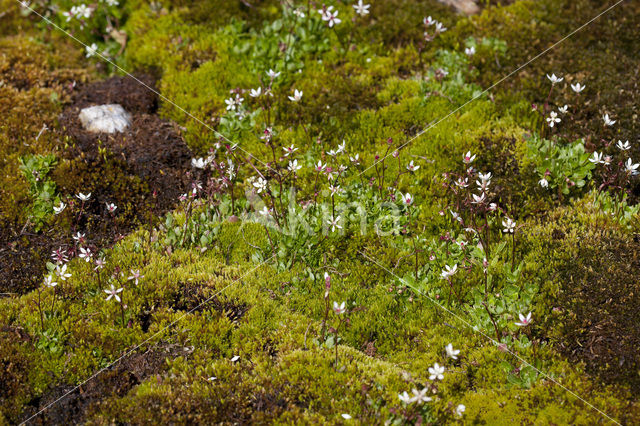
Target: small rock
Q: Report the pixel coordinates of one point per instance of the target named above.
(105, 118)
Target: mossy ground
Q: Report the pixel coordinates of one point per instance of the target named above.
(197, 309)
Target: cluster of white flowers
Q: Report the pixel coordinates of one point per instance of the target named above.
(78, 12)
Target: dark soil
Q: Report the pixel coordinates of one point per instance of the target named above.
(601, 296)
(142, 170)
(119, 380)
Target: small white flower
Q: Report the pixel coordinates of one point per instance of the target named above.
(462, 183)
(577, 87)
(524, 321)
(509, 226)
(331, 17)
(624, 146)
(289, 150)
(333, 222)
(254, 93)
(135, 276)
(199, 163)
(553, 118)
(440, 28)
(470, 51)
(420, 396)
(355, 159)
(468, 158)
(78, 236)
(85, 253)
(113, 292)
(235, 358)
(544, 183)
(596, 158)
(405, 398)
(449, 271)
(407, 199)
(564, 109)
(83, 197)
(48, 281)
(111, 208)
(272, 74)
(436, 372)
(361, 8)
(608, 121)
(320, 167)
(339, 308)
(265, 211)
(61, 272)
(631, 168)
(59, 209)
(452, 353)
(293, 166)
(411, 167)
(429, 21)
(347, 416)
(91, 50)
(554, 80)
(460, 410)
(297, 95)
(260, 184)
(479, 199)
(111, 2)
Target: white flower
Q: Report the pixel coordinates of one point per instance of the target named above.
(451, 353)
(460, 409)
(355, 159)
(48, 281)
(524, 321)
(468, 158)
(334, 189)
(59, 209)
(254, 93)
(479, 199)
(111, 207)
(289, 150)
(361, 8)
(440, 28)
(597, 158)
(320, 167)
(631, 168)
(135, 276)
(260, 184)
(61, 272)
(231, 104)
(299, 13)
(293, 166)
(470, 51)
(436, 372)
(331, 17)
(509, 226)
(624, 146)
(265, 211)
(83, 197)
(82, 11)
(199, 163)
(462, 183)
(411, 167)
(485, 177)
(85, 253)
(449, 271)
(334, 223)
(554, 80)
(297, 95)
(111, 2)
(113, 292)
(235, 358)
(78, 236)
(272, 74)
(341, 147)
(91, 50)
(420, 396)
(553, 118)
(346, 416)
(407, 199)
(405, 398)
(543, 183)
(429, 21)
(577, 87)
(563, 110)
(608, 121)
(339, 308)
